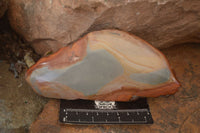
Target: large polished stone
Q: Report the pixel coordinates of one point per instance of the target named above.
(104, 65)
(178, 113)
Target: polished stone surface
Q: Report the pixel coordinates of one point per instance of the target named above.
(178, 113)
(109, 65)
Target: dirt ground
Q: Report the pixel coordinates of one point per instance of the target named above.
(19, 104)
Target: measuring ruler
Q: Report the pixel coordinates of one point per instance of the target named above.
(103, 112)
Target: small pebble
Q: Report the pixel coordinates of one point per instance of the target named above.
(20, 85)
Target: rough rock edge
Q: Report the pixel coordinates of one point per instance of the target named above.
(3, 7)
(185, 20)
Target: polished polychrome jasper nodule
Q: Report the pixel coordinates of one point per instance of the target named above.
(108, 65)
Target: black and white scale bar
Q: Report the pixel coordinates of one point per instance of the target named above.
(86, 112)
